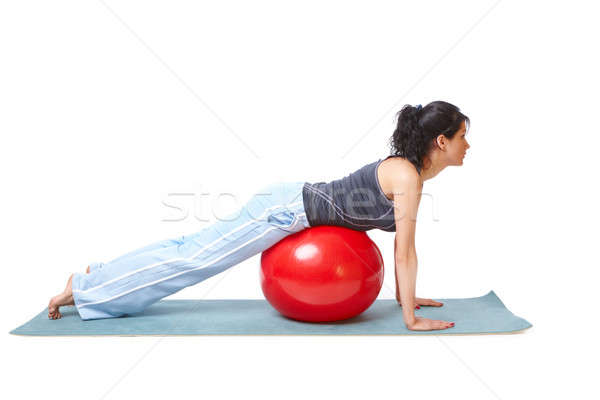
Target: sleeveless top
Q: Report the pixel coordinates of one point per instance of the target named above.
(355, 201)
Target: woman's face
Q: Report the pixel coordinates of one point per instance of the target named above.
(456, 148)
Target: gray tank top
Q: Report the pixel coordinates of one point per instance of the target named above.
(355, 201)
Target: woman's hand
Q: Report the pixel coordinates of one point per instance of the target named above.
(426, 324)
(422, 302)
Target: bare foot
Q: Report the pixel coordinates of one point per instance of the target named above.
(87, 271)
(63, 299)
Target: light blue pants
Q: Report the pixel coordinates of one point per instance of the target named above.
(135, 280)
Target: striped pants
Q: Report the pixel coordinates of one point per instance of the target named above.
(137, 279)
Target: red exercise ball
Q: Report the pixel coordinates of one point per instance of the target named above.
(324, 273)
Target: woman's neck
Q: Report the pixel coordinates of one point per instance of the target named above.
(432, 165)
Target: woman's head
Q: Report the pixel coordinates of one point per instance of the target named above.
(439, 126)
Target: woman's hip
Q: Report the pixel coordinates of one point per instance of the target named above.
(280, 205)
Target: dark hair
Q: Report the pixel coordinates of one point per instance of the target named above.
(418, 127)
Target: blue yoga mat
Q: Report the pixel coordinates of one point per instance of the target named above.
(485, 314)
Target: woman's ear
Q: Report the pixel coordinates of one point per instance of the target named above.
(441, 142)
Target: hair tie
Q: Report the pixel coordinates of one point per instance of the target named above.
(419, 107)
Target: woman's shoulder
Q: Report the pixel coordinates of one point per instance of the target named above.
(396, 166)
(395, 171)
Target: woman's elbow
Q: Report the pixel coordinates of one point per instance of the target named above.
(405, 257)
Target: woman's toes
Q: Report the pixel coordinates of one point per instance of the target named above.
(53, 307)
(87, 270)
(63, 299)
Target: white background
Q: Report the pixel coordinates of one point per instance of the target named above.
(107, 107)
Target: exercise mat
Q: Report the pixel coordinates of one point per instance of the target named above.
(485, 314)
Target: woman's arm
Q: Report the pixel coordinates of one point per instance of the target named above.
(407, 195)
(406, 281)
(418, 301)
(397, 278)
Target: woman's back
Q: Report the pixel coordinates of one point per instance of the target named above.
(356, 201)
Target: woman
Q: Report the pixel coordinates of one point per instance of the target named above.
(381, 195)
